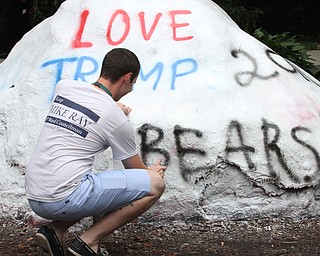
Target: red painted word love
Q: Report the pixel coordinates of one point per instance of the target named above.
(78, 43)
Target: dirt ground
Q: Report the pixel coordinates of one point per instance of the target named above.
(258, 237)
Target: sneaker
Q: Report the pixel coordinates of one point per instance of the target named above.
(48, 242)
(80, 248)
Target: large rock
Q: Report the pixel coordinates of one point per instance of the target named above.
(237, 125)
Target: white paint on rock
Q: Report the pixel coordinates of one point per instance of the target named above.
(237, 124)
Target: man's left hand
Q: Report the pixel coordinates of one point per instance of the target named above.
(126, 110)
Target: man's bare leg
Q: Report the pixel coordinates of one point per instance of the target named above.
(113, 220)
(60, 227)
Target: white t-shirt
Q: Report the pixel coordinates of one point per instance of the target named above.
(82, 122)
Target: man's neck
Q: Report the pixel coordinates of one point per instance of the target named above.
(108, 87)
(102, 87)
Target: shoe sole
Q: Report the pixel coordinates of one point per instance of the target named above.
(44, 245)
(71, 252)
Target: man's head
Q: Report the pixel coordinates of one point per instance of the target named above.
(119, 62)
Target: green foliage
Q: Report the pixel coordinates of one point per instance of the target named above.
(288, 47)
(44, 9)
(299, 17)
(245, 17)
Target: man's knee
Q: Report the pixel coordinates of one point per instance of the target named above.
(157, 183)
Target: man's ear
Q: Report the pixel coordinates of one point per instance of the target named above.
(128, 77)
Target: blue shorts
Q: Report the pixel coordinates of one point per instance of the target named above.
(99, 193)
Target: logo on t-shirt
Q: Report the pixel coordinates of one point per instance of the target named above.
(71, 116)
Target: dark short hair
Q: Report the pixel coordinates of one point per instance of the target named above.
(118, 62)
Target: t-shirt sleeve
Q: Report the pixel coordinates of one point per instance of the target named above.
(122, 142)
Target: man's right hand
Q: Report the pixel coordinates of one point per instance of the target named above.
(157, 167)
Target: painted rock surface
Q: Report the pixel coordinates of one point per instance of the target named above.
(237, 125)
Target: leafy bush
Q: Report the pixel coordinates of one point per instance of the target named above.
(44, 9)
(287, 46)
(246, 17)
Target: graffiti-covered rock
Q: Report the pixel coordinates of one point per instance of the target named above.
(236, 124)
